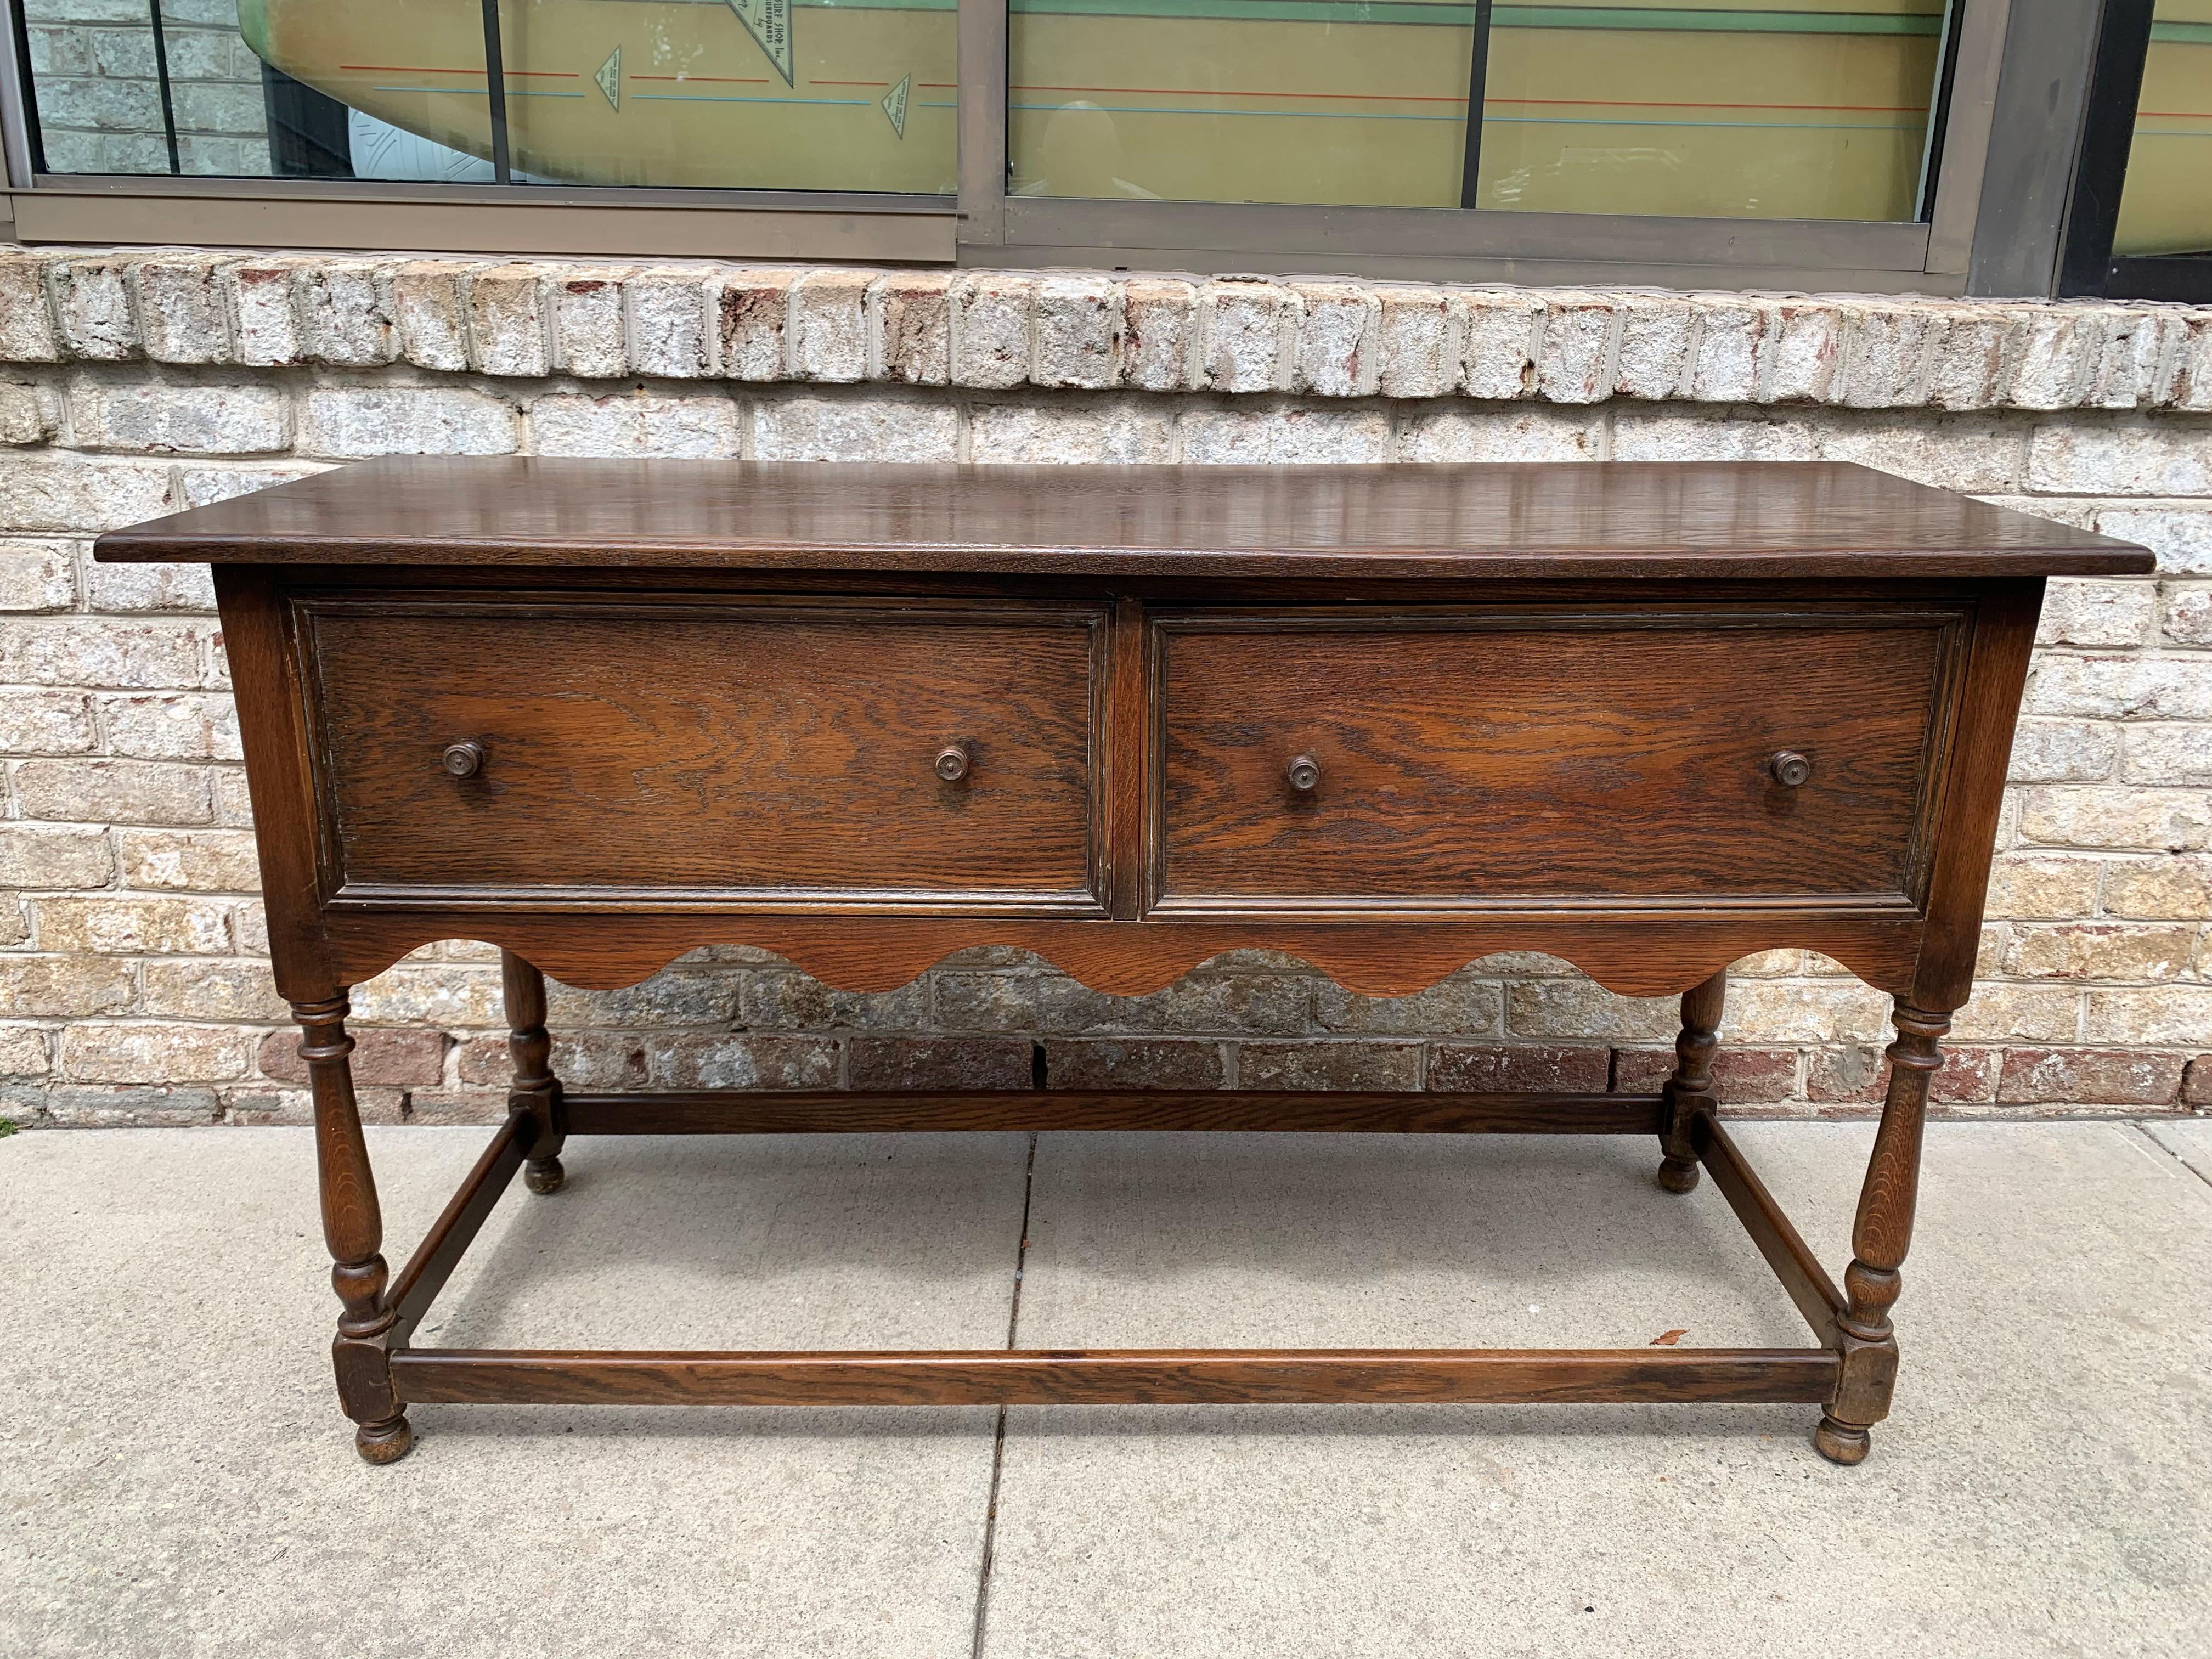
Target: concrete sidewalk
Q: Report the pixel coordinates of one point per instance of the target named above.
(177, 1479)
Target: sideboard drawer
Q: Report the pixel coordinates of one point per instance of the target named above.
(1475, 758)
(865, 754)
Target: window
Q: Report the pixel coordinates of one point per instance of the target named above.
(2140, 224)
(1837, 143)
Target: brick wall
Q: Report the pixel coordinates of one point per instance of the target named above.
(132, 983)
(99, 98)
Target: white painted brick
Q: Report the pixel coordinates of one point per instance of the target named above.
(1246, 335)
(1579, 354)
(182, 419)
(92, 299)
(1729, 330)
(130, 588)
(27, 324)
(1276, 434)
(829, 326)
(1421, 346)
(1497, 331)
(853, 429)
(1116, 434)
(2174, 1014)
(2120, 816)
(2192, 380)
(49, 491)
(361, 421)
(346, 320)
(2131, 369)
(202, 484)
(180, 309)
(1966, 356)
(1161, 335)
(1804, 354)
(1981, 453)
(1076, 330)
(27, 414)
(752, 307)
(43, 856)
(2162, 753)
(193, 860)
(38, 576)
(2181, 536)
(2161, 455)
(2064, 751)
(99, 651)
(2076, 612)
(589, 338)
(428, 313)
(169, 725)
(910, 329)
(114, 792)
(507, 333)
(2185, 612)
(1654, 346)
(1516, 434)
(1682, 434)
(635, 424)
(1886, 351)
(1339, 340)
(139, 1051)
(264, 312)
(2052, 358)
(990, 329)
(35, 721)
(2121, 687)
(670, 333)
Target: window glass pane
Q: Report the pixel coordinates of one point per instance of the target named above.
(729, 93)
(733, 93)
(1730, 108)
(2166, 205)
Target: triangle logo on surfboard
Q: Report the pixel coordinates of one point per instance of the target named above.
(769, 22)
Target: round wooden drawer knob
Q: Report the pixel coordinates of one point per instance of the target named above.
(1304, 774)
(463, 760)
(1790, 769)
(951, 763)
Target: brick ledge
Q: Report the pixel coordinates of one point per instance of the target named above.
(991, 329)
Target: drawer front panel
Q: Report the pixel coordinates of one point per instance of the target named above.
(1485, 759)
(776, 751)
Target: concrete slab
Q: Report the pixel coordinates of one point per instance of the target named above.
(2189, 1139)
(2045, 1488)
(175, 1479)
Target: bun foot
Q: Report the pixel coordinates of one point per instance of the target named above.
(1841, 1443)
(543, 1175)
(1678, 1175)
(384, 1443)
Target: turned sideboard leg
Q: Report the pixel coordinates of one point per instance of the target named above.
(535, 1089)
(353, 1227)
(1879, 1238)
(1690, 1090)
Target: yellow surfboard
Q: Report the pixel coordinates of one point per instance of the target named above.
(724, 93)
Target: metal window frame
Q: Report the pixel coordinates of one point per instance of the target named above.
(984, 226)
(2087, 265)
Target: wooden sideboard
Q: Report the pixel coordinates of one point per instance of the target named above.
(1649, 717)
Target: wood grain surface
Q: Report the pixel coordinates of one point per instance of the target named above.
(703, 748)
(1109, 1376)
(1581, 756)
(1717, 519)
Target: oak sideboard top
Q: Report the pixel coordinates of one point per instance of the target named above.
(1756, 520)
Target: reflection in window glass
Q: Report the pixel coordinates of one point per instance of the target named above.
(730, 93)
(1777, 109)
(2166, 205)
(733, 93)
